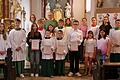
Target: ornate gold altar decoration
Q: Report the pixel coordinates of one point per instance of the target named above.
(15, 8)
(8, 23)
(58, 13)
(1, 9)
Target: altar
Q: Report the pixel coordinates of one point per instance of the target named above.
(60, 9)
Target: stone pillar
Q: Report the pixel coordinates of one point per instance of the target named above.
(78, 9)
(26, 5)
(92, 12)
(36, 8)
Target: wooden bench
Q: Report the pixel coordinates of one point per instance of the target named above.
(2, 65)
(112, 64)
(108, 65)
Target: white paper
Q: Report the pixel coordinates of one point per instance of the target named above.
(74, 46)
(47, 50)
(60, 49)
(35, 44)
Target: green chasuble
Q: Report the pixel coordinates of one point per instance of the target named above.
(52, 22)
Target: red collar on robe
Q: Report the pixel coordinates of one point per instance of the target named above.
(93, 25)
(40, 29)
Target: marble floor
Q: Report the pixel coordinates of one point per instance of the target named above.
(59, 77)
(56, 78)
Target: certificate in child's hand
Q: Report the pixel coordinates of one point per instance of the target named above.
(74, 46)
(35, 44)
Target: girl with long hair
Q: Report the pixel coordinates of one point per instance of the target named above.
(34, 54)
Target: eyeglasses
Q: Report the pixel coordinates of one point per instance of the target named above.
(75, 24)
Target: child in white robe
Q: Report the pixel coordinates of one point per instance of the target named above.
(60, 53)
(17, 38)
(47, 48)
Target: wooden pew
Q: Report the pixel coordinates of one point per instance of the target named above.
(10, 69)
(2, 65)
(107, 66)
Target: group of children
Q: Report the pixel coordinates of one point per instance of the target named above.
(57, 42)
(54, 44)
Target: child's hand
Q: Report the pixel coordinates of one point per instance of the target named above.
(64, 52)
(42, 49)
(69, 47)
(39, 40)
(2, 52)
(52, 49)
(18, 48)
(94, 57)
(30, 40)
(78, 41)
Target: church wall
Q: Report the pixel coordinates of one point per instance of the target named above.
(26, 4)
(92, 12)
(36, 8)
(78, 9)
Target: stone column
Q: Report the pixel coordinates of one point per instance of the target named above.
(92, 12)
(36, 8)
(78, 9)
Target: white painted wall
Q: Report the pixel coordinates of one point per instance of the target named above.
(78, 9)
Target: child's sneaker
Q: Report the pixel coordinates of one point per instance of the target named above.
(21, 75)
(31, 74)
(78, 74)
(52, 76)
(70, 74)
(36, 75)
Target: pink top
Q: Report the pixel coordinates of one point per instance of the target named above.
(102, 45)
(83, 28)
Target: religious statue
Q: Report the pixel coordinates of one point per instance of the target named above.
(99, 3)
(68, 11)
(58, 13)
(23, 18)
(15, 8)
(11, 9)
(118, 4)
(47, 10)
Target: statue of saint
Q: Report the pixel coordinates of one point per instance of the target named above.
(47, 10)
(99, 3)
(68, 11)
(58, 13)
(118, 4)
(15, 8)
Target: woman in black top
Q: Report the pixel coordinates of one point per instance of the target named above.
(106, 25)
(34, 53)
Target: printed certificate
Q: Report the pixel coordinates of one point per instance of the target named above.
(74, 46)
(35, 44)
